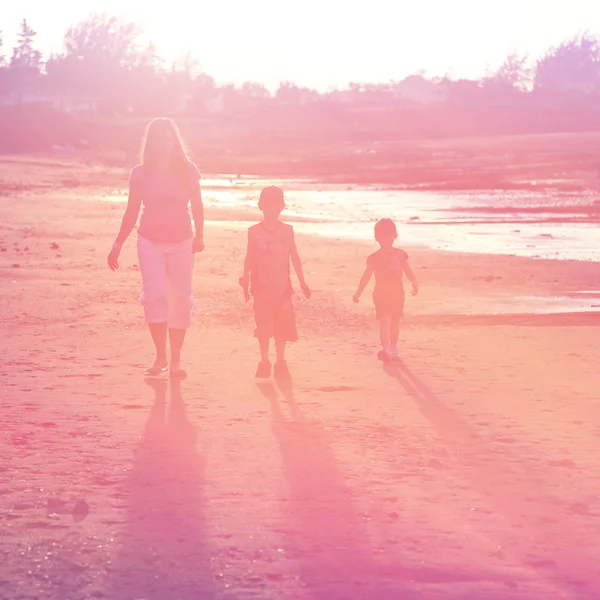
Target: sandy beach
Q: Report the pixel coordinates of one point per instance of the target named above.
(470, 471)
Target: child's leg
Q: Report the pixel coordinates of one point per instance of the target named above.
(264, 325)
(281, 371)
(263, 344)
(394, 331)
(384, 331)
(280, 349)
(284, 327)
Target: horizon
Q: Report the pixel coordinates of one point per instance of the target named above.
(386, 44)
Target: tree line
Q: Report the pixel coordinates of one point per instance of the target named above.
(103, 58)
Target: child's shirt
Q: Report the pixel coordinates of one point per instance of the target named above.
(270, 253)
(387, 265)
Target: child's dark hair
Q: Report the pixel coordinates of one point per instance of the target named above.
(385, 227)
(271, 196)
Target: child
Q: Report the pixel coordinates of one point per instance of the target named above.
(266, 277)
(387, 264)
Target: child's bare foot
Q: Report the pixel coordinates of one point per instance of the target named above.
(384, 356)
(263, 371)
(282, 372)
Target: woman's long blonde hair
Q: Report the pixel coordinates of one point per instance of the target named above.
(151, 147)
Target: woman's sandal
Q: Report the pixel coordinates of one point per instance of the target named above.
(155, 372)
(178, 373)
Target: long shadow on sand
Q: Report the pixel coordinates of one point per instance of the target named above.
(324, 533)
(163, 553)
(512, 491)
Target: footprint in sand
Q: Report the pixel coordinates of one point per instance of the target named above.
(562, 463)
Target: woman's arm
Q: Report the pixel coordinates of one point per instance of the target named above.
(198, 214)
(134, 202)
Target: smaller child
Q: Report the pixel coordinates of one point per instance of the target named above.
(267, 279)
(388, 264)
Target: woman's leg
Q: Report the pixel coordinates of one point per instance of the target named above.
(153, 267)
(176, 339)
(180, 270)
(158, 331)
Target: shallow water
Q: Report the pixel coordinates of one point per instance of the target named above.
(548, 304)
(520, 223)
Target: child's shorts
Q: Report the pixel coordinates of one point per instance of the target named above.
(275, 318)
(389, 305)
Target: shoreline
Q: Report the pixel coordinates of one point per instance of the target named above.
(459, 282)
(497, 163)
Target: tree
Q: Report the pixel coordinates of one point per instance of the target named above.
(513, 73)
(4, 79)
(254, 90)
(25, 63)
(188, 65)
(289, 92)
(104, 39)
(104, 57)
(574, 65)
(25, 56)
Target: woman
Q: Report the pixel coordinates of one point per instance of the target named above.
(166, 183)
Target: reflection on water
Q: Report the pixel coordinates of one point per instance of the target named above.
(547, 304)
(550, 225)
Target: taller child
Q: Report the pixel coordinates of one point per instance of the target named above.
(271, 247)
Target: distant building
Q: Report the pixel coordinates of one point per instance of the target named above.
(75, 104)
(344, 96)
(182, 104)
(215, 104)
(420, 90)
(61, 102)
(464, 90)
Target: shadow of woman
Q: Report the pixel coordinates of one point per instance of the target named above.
(163, 552)
(324, 531)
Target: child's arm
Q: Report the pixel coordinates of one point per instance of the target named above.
(244, 280)
(298, 268)
(411, 276)
(364, 280)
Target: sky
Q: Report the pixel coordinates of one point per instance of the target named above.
(325, 44)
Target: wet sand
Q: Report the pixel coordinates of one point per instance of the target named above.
(470, 471)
